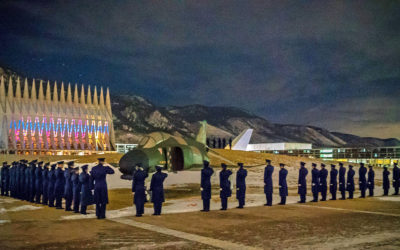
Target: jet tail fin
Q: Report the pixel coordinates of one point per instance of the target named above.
(202, 135)
(242, 140)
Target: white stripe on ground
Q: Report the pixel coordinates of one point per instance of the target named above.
(350, 210)
(187, 236)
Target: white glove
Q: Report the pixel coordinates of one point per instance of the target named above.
(201, 189)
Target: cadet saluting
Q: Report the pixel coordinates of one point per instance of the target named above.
(99, 173)
(315, 182)
(302, 182)
(333, 182)
(86, 189)
(45, 183)
(362, 180)
(386, 182)
(139, 189)
(52, 180)
(283, 188)
(371, 181)
(268, 185)
(396, 179)
(59, 184)
(68, 195)
(76, 189)
(342, 181)
(157, 190)
(225, 186)
(323, 185)
(350, 181)
(241, 175)
(205, 185)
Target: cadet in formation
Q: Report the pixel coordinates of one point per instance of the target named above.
(302, 182)
(268, 185)
(371, 181)
(396, 179)
(205, 185)
(350, 181)
(139, 189)
(283, 188)
(342, 181)
(76, 189)
(5, 179)
(241, 175)
(38, 183)
(45, 183)
(99, 174)
(68, 195)
(362, 171)
(59, 184)
(157, 190)
(323, 184)
(386, 182)
(27, 183)
(333, 182)
(52, 181)
(314, 182)
(32, 181)
(225, 186)
(86, 189)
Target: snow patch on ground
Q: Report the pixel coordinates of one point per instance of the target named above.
(19, 208)
(389, 198)
(4, 221)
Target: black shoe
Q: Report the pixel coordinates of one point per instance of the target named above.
(222, 209)
(68, 210)
(240, 207)
(84, 213)
(342, 199)
(281, 203)
(322, 200)
(138, 215)
(76, 212)
(59, 207)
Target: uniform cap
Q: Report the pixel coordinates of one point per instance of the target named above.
(60, 162)
(53, 166)
(268, 161)
(84, 166)
(223, 165)
(302, 163)
(40, 162)
(350, 166)
(340, 164)
(281, 164)
(101, 159)
(76, 168)
(240, 164)
(333, 165)
(314, 164)
(322, 165)
(4, 162)
(361, 164)
(70, 163)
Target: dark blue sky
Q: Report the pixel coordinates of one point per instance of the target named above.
(334, 64)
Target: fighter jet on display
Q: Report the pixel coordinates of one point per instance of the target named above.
(160, 148)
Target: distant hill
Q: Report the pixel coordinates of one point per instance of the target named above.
(135, 116)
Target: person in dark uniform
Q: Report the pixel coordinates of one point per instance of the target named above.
(76, 189)
(386, 182)
(283, 188)
(241, 175)
(157, 190)
(18, 180)
(32, 181)
(350, 181)
(22, 180)
(4, 179)
(51, 176)
(38, 182)
(224, 186)
(139, 189)
(99, 174)
(342, 181)
(45, 183)
(315, 182)
(12, 179)
(268, 184)
(68, 193)
(362, 171)
(86, 189)
(59, 184)
(396, 179)
(371, 181)
(333, 182)
(27, 184)
(323, 184)
(302, 182)
(205, 185)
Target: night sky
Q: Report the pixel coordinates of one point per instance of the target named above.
(334, 64)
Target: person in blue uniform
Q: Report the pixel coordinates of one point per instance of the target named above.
(371, 181)
(386, 182)
(333, 182)
(283, 188)
(99, 174)
(76, 189)
(396, 179)
(350, 181)
(12, 179)
(323, 184)
(4, 179)
(205, 185)
(52, 181)
(38, 182)
(32, 181)
(268, 184)
(59, 184)
(68, 195)
(362, 171)
(224, 186)
(342, 181)
(139, 189)
(315, 182)
(86, 189)
(302, 182)
(27, 184)
(18, 180)
(22, 180)
(45, 183)
(241, 175)
(157, 190)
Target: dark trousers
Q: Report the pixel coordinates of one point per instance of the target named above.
(83, 209)
(224, 203)
(101, 210)
(268, 197)
(302, 198)
(283, 200)
(386, 191)
(139, 208)
(76, 205)
(157, 208)
(45, 199)
(51, 201)
(315, 196)
(333, 195)
(362, 193)
(343, 193)
(323, 196)
(206, 204)
(350, 194)
(4, 192)
(68, 203)
(59, 201)
(396, 190)
(371, 191)
(37, 198)
(241, 202)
